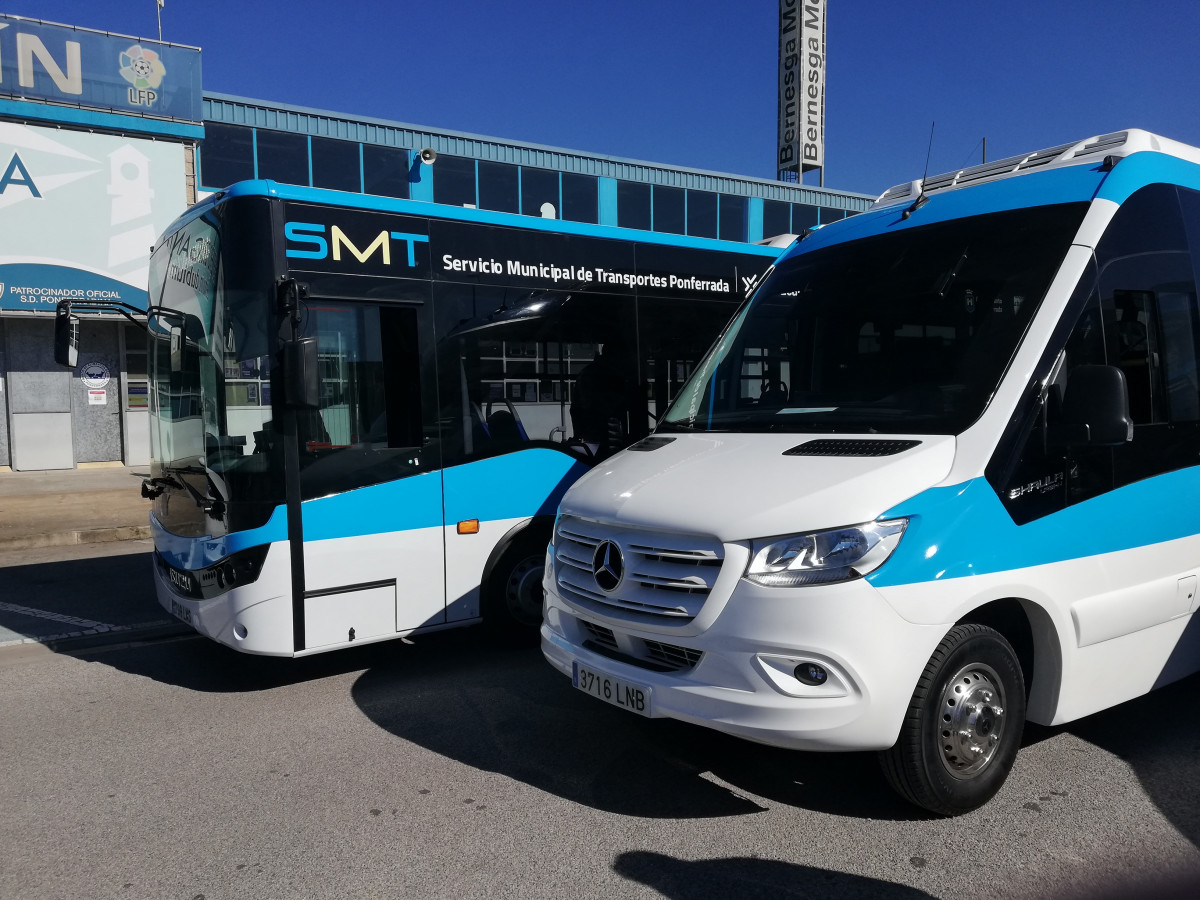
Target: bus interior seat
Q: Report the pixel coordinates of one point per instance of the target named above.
(504, 429)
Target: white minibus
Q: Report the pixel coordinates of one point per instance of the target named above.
(939, 476)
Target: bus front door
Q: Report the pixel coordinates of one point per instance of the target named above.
(372, 481)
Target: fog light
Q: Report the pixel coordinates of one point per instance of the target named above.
(811, 674)
(239, 632)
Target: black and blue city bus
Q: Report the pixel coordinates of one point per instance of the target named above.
(365, 410)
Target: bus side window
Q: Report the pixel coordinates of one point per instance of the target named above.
(520, 366)
(1183, 362)
(402, 385)
(1041, 479)
(1152, 331)
(369, 426)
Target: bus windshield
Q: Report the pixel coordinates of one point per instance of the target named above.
(905, 332)
(209, 357)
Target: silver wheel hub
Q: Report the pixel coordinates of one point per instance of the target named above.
(972, 720)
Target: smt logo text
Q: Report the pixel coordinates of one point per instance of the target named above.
(307, 240)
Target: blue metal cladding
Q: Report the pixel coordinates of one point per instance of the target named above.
(254, 113)
(482, 216)
(100, 121)
(607, 170)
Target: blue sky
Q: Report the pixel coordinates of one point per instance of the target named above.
(694, 84)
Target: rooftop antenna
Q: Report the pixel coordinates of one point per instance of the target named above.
(922, 198)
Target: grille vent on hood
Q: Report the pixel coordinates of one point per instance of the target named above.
(645, 445)
(850, 448)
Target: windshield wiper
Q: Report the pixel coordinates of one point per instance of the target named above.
(213, 506)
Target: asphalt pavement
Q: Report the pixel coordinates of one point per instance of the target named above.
(75, 558)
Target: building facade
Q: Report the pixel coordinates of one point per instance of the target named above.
(105, 139)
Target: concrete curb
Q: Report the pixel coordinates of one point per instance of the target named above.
(70, 538)
(121, 637)
(107, 636)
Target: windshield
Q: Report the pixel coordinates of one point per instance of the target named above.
(211, 436)
(905, 332)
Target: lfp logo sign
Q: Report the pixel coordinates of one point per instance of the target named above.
(144, 71)
(109, 72)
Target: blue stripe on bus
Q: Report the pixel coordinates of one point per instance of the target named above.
(517, 485)
(414, 502)
(526, 483)
(198, 553)
(964, 530)
(1140, 169)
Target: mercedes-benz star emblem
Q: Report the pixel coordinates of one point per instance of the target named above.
(607, 566)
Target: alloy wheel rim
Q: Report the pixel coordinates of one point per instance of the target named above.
(971, 720)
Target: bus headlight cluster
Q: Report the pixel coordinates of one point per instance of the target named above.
(235, 570)
(823, 557)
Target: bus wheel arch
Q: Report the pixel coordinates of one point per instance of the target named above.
(1032, 633)
(510, 590)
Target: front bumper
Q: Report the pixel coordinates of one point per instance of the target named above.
(254, 618)
(744, 682)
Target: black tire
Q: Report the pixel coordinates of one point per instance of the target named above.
(512, 597)
(963, 727)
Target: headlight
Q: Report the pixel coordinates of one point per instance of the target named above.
(823, 557)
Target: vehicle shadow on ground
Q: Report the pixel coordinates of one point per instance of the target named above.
(74, 595)
(196, 663)
(500, 707)
(505, 710)
(1158, 737)
(748, 878)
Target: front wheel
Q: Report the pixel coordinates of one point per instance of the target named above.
(512, 598)
(964, 723)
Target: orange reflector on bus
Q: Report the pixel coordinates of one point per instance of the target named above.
(468, 526)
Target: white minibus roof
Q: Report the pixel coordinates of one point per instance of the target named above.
(1089, 150)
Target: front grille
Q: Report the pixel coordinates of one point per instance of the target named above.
(662, 575)
(645, 654)
(675, 657)
(599, 634)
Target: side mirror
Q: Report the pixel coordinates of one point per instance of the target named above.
(1095, 409)
(301, 386)
(66, 336)
(177, 348)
